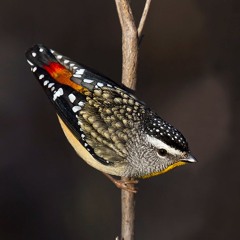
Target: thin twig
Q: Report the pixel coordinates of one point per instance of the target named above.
(130, 37)
(128, 214)
(129, 44)
(129, 78)
(143, 18)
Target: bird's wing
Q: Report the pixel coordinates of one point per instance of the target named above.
(98, 112)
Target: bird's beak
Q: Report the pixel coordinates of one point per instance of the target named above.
(189, 159)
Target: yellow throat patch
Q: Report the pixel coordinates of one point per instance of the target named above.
(177, 164)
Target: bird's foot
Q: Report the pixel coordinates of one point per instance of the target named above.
(125, 184)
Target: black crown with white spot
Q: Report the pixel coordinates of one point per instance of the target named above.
(156, 127)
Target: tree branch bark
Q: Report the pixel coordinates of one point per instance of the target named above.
(143, 18)
(130, 39)
(129, 44)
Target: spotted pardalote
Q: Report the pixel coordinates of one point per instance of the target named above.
(105, 123)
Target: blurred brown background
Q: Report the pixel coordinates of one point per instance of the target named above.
(188, 73)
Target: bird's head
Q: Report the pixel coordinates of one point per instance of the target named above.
(159, 148)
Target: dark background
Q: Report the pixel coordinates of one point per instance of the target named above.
(188, 73)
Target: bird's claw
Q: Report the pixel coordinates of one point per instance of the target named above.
(124, 184)
(127, 184)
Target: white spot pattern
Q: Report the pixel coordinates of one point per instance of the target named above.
(72, 97)
(57, 94)
(87, 80)
(50, 85)
(30, 63)
(77, 75)
(76, 108)
(45, 83)
(41, 77)
(100, 84)
(80, 71)
(81, 103)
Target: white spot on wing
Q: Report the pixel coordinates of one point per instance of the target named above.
(34, 54)
(76, 108)
(57, 94)
(72, 97)
(30, 63)
(41, 49)
(100, 84)
(77, 75)
(87, 80)
(66, 61)
(45, 83)
(34, 69)
(41, 77)
(50, 85)
(80, 71)
(81, 103)
(59, 56)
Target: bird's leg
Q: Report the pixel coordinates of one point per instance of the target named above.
(123, 184)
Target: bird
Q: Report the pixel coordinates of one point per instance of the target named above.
(108, 127)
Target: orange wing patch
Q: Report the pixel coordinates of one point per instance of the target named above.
(63, 75)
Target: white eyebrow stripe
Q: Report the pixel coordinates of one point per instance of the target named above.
(160, 144)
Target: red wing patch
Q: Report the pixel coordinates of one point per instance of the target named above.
(63, 76)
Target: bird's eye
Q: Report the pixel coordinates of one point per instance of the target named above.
(162, 152)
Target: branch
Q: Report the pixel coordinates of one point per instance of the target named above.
(129, 44)
(130, 37)
(143, 18)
